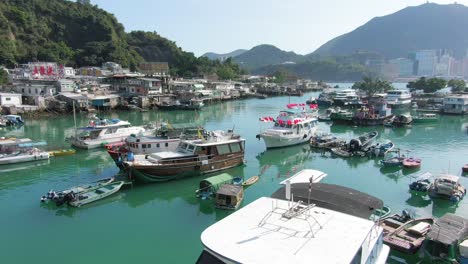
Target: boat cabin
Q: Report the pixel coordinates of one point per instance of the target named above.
(210, 185)
(443, 240)
(229, 196)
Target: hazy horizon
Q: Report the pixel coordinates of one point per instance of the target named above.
(214, 26)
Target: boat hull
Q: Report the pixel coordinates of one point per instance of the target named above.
(92, 144)
(167, 172)
(280, 142)
(24, 158)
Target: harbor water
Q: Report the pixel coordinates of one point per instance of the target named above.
(162, 222)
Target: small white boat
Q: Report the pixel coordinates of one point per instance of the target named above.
(102, 131)
(95, 194)
(18, 150)
(26, 156)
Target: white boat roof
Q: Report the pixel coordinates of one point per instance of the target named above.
(168, 154)
(304, 176)
(205, 143)
(254, 234)
(449, 177)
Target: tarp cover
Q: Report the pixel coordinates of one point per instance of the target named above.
(216, 181)
(333, 197)
(449, 229)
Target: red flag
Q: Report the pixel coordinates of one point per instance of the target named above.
(42, 70)
(313, 106)
(35, 70)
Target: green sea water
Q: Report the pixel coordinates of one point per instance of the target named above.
(162, 223)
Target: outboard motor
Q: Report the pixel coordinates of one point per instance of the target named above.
(355, 145)
(258, 136)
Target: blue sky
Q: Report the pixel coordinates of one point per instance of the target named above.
(221, 26)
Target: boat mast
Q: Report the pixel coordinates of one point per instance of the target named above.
(74, 117)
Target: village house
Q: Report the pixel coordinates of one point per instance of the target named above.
(65, 85)
(10, 99)
(104, 101)
(144, 86)
(80, 101)
(455, 104)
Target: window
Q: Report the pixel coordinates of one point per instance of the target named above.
(144, 146)
(8, 99)
(157, 145)
(191, 147)
(166, 144)
(149, 145)
(223, 149)
(235, 147)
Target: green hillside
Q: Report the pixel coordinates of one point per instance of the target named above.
(81, 34)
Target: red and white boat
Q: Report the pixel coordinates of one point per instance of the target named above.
(293, 126)
(411, 163)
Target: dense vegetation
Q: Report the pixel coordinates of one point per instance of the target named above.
(457, 85)
(372, 86)
(430, 85)
(80, 34)
(264, 55)
(428, 26)
(3, 76)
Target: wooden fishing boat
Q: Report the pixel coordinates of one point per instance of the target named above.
(95, 194)
(341, 152)
(447, 187)
(447, 241)
(229, 197)
(402, 120)
(59, 196)
(250, 181)
(62, 152)
(411, 163)
(393, 222)
(209, 186)
(222, 150)
(409, 237)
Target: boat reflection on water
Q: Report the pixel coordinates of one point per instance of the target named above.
(440, 207)
(287, 160)
(418, 199)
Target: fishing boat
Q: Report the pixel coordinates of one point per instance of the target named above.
(209, 186)
(220, 151)
(165, 138)
(59, 196)
(409, 237)
(90, 196)
(229, 196)
(385, 148)
(13, 150)
(100, 132)
(326, 141)
(447, 187)
(422, 183)
(411, 163)
(393, 222)
(375, 114)
(261, 96)
(425, 118)
(447, 241)
(363, 141)
(11, 120)
(342, 116)
(292, 127)
(341, 152)
(250, 181)
(380, 213)
(62, 152)
(324, 99)
(193, 104)
(393, 161)
(326, 117)
(312, 100)
(345, 97)
(465, 168)
(402, 120)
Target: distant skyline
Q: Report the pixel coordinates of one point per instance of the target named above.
(201, 26)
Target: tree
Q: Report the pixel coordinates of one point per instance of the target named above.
(372, 85)
(3, 76)
(457, 85)
(427, 85)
